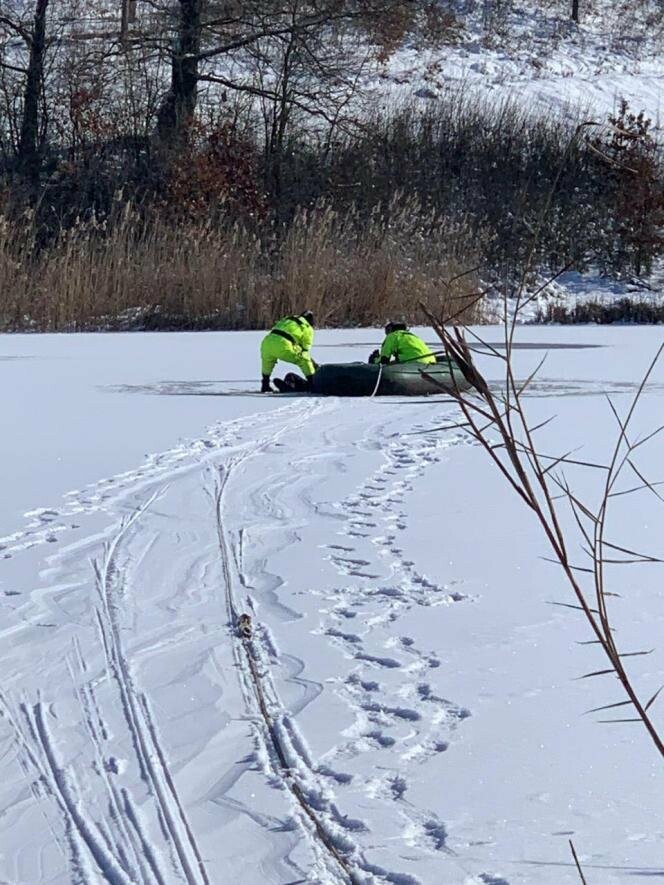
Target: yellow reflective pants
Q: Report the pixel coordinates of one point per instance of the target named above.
(274, 348)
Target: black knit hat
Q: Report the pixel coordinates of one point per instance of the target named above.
(395, 327)
(308, 316)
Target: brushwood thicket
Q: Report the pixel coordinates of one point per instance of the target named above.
(169, 179)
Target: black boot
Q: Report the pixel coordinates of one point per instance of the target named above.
(265, 385)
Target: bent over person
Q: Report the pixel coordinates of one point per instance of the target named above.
(290, 340)
(402, 346)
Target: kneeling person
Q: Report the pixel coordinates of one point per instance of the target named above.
(290, 340)
(402, 346)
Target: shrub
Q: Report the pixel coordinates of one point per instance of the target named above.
(624, 310)
(631, 167)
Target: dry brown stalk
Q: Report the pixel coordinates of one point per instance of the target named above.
(577, 863)
(535, 478)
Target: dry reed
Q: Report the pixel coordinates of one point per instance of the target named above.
(226, 275)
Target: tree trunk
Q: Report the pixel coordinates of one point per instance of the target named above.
(575, 11)
(128, 17)
(29, 154)
(178, 108)
(282, 110)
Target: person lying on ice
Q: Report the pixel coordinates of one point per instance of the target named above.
(402, 346)
(290, 340)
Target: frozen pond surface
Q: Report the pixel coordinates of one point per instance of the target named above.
(419, 683)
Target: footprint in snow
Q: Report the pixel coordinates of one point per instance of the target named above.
(424, 750)
(381, 740)
(347, 561)
(393, 592)
(389, 663)
(339, 777)
(392, 786)
(351, 638)
(368, 685)
(383, 712)
(344, 613)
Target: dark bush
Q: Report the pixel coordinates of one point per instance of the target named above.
(625, 310)
(514, 179)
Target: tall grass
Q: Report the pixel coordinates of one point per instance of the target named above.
(133, 273)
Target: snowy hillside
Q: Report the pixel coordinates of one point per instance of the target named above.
(534, 53)
(404, 708)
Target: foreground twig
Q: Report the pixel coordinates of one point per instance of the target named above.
(578, 865)
(540, 484)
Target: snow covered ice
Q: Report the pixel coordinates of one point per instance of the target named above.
(420, 685)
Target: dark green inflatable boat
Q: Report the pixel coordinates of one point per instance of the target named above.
(396, 379)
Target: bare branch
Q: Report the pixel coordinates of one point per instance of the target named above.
(577, 863)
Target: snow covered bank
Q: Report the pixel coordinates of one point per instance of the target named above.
(536, 55)
(569, 83)
(418, 683)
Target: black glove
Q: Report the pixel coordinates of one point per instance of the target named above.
(374, 358)
(265, 385)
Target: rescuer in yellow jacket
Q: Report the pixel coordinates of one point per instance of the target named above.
(402, 346)
(290, 340)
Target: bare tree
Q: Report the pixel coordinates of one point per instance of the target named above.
(128, 17)
(216, 43)
(305, 82)
(177, 110)
(33, 38)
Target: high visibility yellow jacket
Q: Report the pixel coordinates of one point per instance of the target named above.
(297, 330)
(405, 346)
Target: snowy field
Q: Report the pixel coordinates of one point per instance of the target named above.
(417, 718)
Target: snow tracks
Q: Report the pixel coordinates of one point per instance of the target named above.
(326, 574)
(224, 685)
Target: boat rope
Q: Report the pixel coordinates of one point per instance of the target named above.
(380, 375)
(245, 630)
(242, 628)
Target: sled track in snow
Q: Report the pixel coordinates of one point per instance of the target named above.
(37, 756)
(117, 844)
(149, 753)
(46, 525)
(118, 847)
(130, 838)
(258, 685)
(122, 853)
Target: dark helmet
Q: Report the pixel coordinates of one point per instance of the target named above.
(308, 316)
(395, 327)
